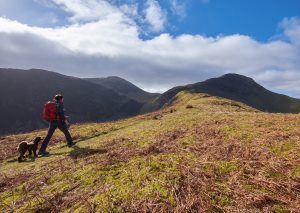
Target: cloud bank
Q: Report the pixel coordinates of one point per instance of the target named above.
(103, 38)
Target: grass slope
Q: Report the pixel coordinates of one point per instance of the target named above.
(198, 154)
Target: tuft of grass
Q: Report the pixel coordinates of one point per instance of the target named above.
(227, 167)
(296, 171)
(280, 209)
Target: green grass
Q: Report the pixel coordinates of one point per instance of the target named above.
(214, 155)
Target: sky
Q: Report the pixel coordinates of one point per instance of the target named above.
(156, 44)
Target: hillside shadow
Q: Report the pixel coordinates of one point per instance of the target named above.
(79, 152)
(77, 140)
(27, 160)
(89, 137)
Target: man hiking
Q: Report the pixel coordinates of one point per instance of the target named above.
(54, 114)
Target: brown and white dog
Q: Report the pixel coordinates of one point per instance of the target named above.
(31, 147)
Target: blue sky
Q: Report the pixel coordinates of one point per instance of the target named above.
(256, 18)
(156, 44)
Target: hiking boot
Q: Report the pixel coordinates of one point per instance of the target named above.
(43, 153)
(70, 145)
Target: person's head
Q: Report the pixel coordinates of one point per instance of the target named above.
(58, 98)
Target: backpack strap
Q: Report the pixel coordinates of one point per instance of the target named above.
(57, 108)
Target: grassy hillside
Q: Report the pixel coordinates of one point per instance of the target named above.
(198, 154)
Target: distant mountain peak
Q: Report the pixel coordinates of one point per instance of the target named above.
(114, 77)
(124, 87)
(235, 78)
(234, 82)
(239, 88)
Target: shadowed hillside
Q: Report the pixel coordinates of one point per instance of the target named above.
(24, 92)
(235, 87)
(198, 154)
(125, 88)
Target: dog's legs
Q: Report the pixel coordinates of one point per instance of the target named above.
(21, 156)
(34, 152)
(30, 152)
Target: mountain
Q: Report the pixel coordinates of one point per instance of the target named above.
(123, 87)
(24, 92)
(199, 154)
(235, 87)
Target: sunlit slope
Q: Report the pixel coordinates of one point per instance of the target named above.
(199, 153)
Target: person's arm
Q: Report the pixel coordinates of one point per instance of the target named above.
(60, 112)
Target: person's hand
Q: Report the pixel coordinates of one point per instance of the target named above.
(67, 123)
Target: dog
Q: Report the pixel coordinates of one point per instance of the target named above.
(31, 147)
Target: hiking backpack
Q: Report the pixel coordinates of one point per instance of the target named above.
(50, 111)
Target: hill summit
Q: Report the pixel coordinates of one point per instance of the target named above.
(239, 88)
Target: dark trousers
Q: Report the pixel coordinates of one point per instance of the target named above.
(61, 125)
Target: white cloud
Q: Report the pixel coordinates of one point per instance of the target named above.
(291, 28)
(130, 10)
(155, 16)
(178, 8)
(109, 44)
(87, 10)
